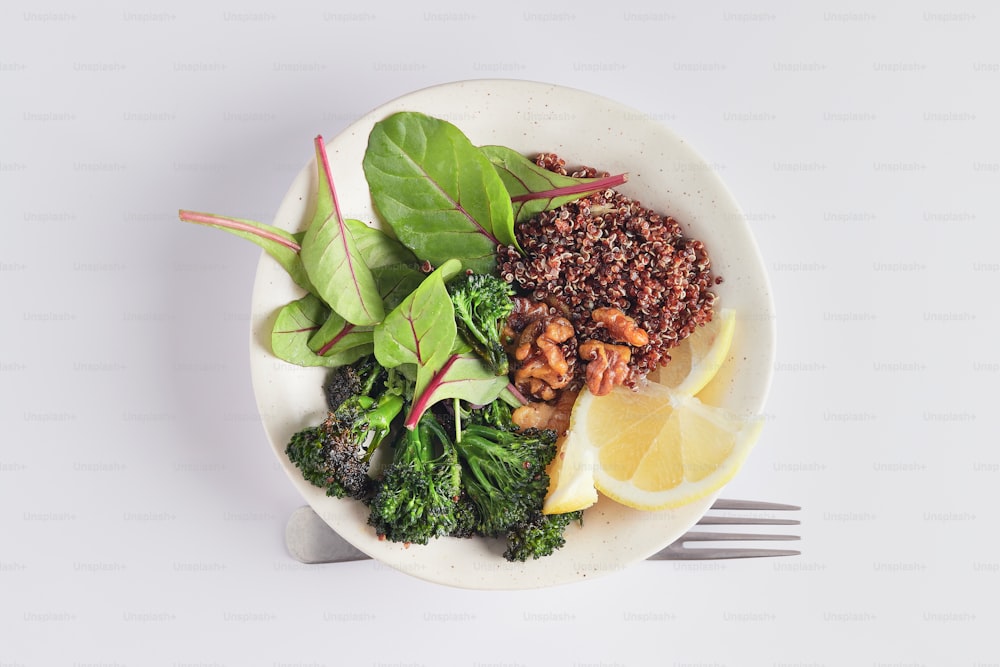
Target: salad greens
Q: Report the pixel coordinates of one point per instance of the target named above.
(439, 193)
(463, 375)
(421, 330)
(295, 324)
(282, 246)
(419, 307)
(331, 257)
(534, 189)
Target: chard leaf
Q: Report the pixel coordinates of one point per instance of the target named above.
(378, 248)
(396, 270)
(462, 376)
(421, 329)
(281, 245)
(396, 282)
(534, 189)
(331, 257)
(439, 194)
(393, 267)
(299, 321)
(337, 338)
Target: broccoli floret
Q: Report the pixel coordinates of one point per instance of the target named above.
(357, 379)
(309, 453)
(505, 482)
(467, 521)
(503, 472)
(539, 536)
(497, 413)
(482, 304)
(336, 454)
(416, 499)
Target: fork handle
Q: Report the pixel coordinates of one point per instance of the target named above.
(310, 540)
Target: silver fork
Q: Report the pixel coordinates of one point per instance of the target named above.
(311, 540)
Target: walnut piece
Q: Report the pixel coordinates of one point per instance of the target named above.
(553, 415)
(607, 365)
(543, 367)
(620, 326)
(525, 312)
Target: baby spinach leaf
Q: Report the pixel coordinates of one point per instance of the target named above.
(463, 376)
(534, 189)
(281, 245)
(439, 194)
(331, 257)
(421, 329)
(299, 321)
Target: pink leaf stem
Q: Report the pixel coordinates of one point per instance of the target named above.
(231, 223)
(423, 401)
(581, 188)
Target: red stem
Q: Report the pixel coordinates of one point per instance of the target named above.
(423, 401)
(336, 339)
(325, 159)
(579, 189)
(517, 393)
(232, 223)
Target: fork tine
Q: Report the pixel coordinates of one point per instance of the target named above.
(680, 553)
(745, 521)
(727, 504)
(699, 536)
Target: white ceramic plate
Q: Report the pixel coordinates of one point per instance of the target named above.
(664, 174)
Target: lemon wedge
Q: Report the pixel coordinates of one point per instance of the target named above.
(656, 449)
(660, 446)
(698, 358)
(571, 477)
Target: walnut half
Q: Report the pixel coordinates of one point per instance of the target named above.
(607, 365)
(621, 327)
(543, 367)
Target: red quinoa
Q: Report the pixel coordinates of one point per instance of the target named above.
(608, 250)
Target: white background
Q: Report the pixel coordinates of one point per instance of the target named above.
(141, 508)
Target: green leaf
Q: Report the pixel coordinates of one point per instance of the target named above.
(299, 321)
(331, 257)
(534, 189)
(378, 248)
(439, 194)
(282, 246)
(463, 376)
(421, 330)
(395, 282)
(396, 270)
(339, 339)
(396, 275)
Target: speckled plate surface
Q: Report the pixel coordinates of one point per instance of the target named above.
(664, 174)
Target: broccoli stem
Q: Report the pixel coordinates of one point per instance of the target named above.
(381, 417)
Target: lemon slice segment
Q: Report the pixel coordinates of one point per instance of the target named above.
(571, 477)
(697, 358)
(679, 451)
